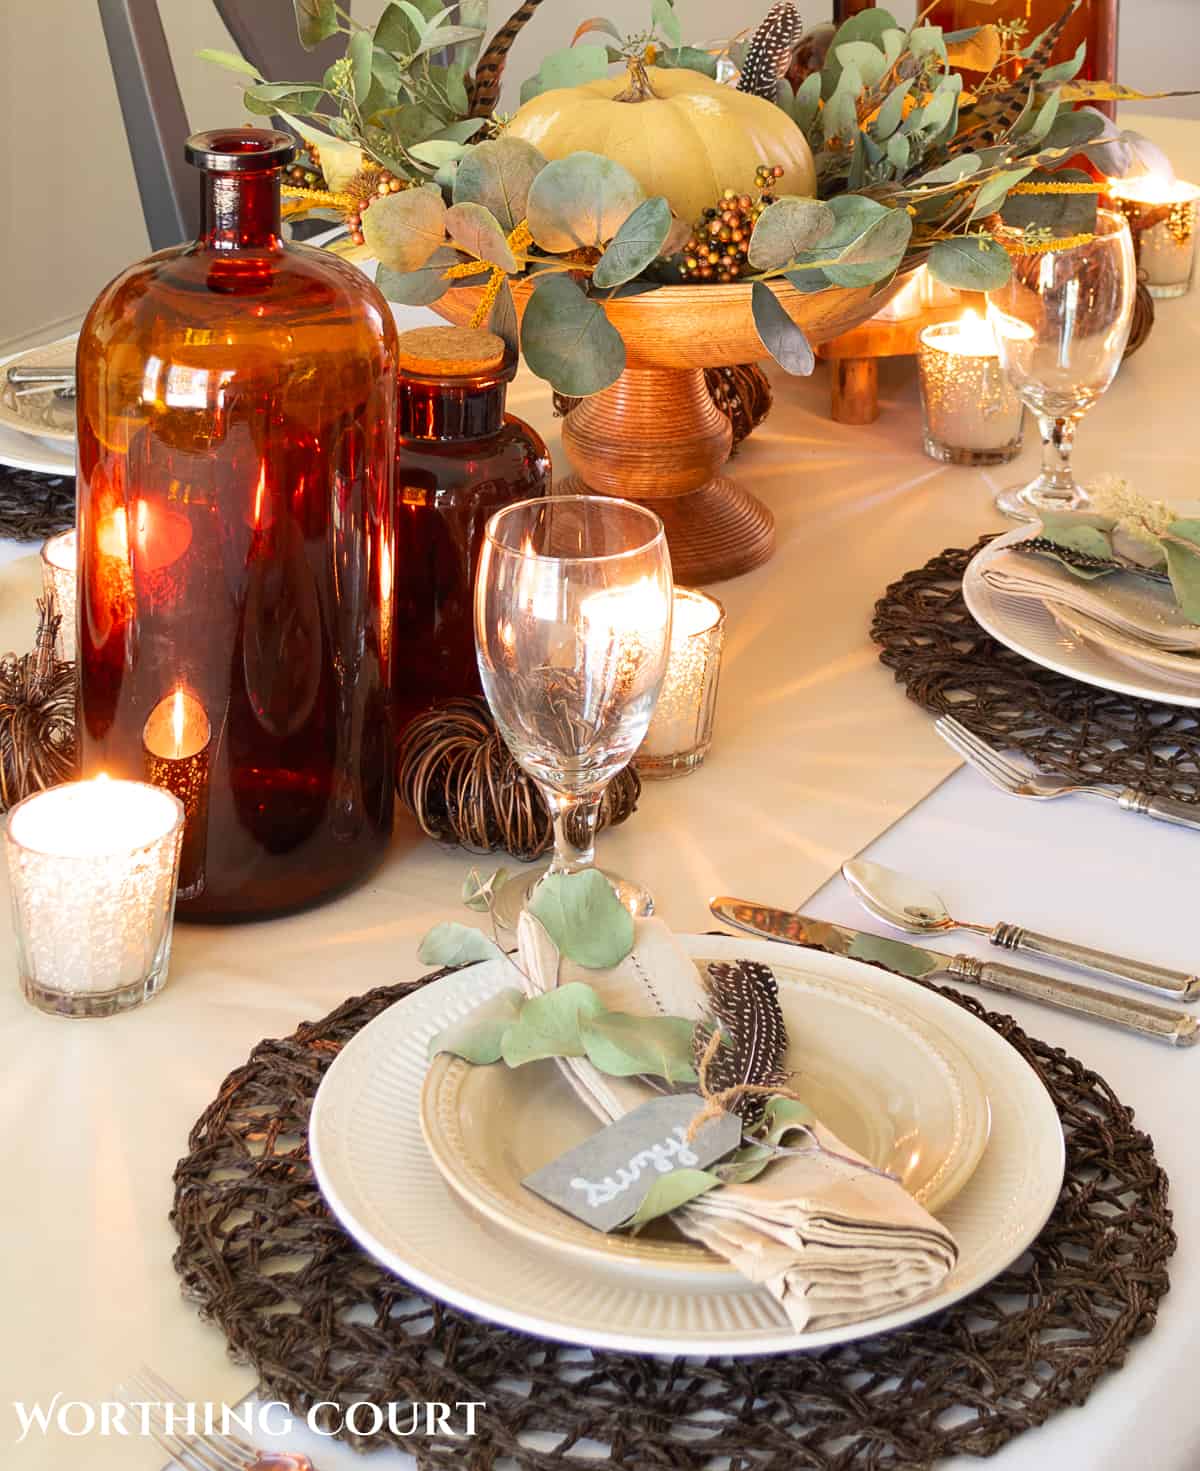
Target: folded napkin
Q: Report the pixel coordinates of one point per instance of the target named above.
(834, 1244)
(1139, 607)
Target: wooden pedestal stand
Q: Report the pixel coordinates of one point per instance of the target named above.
(656, 437)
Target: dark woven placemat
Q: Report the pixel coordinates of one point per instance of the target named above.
(318, 1320)
(949, 665)
(33, 506)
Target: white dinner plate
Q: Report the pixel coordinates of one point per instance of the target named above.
(1029, 628)
(887, 1080)
(39, 415)
(1180, 669)
(379, 1180)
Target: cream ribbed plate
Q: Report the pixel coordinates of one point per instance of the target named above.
(1029, 628)
(39, 413)
(378, 1177)
(884, 1077)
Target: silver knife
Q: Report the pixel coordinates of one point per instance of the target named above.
(1145, 1017)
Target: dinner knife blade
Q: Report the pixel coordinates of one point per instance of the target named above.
(915, 962)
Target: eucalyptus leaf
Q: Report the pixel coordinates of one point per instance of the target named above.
(503, 319)
(456, 86)
(808, 281)
(951, 172)
(868, 25)
(807, 103)
(1027, 114)
(316, 21)
(474, 230)
(885, 239)
(892, 41)
(421, 287)
(662, 13)
(1183, 565)
(781, 337)
(625, 1046)
(690, 58)
(1064, 71)
(451, 943)
(395, 31)
(783, 1115)
(669, 1192)
(359, 53)
(638, 242)
(570, 68)
(474, 14)
(898, 151)
(437, 152)
(550, 1025)
(788, 228)
(994, 191)
(891, 113)
(230, 61)
(478, 892)
(927, 41)
(1086, 533)
(840, 116)
(1073, 130)
(497, 174)
(403, 230)
(747, 1164)
(581, 911)
(268, 98)
(479, 1037)
(938, 111)
(581, 200)
(867, 57)
(461, 131)
(443, 37)
(970, 263)
(339, 161)
(1044, 118)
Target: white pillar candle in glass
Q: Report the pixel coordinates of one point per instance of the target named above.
(58, 577)
(1162, 220)
(681, 730)
(972, 412)
(92, 868)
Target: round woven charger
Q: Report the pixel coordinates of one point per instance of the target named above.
(319, 1320)
(949, 665)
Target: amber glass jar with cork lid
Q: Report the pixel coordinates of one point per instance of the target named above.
(459, 458)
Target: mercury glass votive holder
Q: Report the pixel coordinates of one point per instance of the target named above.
(972, 415)
(680, 731)
(58, 579)
(92, 870)
(1162, 220)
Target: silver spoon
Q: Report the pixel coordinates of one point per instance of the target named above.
(909, 905)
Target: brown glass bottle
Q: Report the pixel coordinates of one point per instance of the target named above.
(459, 458)
(236, 434)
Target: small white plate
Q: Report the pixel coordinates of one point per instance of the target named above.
(1028, 627)
(39, 414)
(1181, 669)
(376, 1174)
(24, 452)
(884, 1078)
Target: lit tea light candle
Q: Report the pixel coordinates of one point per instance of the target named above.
(58, 581)
(922, 292)
(176, 742)
(680, 732)
(1162, 220)
(972, 412)
(92, 868)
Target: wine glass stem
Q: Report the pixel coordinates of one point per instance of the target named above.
(575, 821)
(1058, 479)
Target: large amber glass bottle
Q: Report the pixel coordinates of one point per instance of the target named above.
(236, 423)
(459, 458)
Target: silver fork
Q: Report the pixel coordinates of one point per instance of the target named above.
(1020, 781)
(202, 1451)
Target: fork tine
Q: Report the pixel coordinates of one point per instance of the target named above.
(168, 1391)
(997, 775)
(201, 1449)
(984, 750)
(182, 1454)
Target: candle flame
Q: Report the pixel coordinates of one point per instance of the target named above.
(1152, 189)
(260, 491)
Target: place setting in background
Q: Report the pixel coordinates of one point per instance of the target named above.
(576, 1134)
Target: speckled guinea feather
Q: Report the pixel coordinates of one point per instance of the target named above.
(743, 1001)
(770, 51)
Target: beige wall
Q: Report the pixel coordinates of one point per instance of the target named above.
(70, 217)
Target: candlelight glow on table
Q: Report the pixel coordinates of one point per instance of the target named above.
(92, 868)
(681, 729)
(58, 580)
(1162, 219)
(972, 412)
(177, 742)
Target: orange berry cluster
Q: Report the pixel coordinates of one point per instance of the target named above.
(716, 249)
(380, 184)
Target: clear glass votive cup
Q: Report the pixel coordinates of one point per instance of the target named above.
(680, 730)
(92, 869)
(58, 579)
(972, 415)
(1162, 217)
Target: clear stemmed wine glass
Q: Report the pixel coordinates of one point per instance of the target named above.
(1062, 323)
(572, 629)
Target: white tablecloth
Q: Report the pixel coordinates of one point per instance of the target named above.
(817, 754)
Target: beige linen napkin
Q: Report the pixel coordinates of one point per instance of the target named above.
(1140, 608)
(834, 1244)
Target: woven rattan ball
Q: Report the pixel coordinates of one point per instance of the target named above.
(1143, 319)
(458, 779)
(37, 716)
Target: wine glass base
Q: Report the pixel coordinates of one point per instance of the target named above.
(514, 896)
(1025, 502)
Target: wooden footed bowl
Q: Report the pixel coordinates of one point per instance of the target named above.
(655, 435)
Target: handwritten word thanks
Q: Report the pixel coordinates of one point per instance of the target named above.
(673, 1152)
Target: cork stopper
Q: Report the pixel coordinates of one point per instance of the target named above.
(449, 351)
